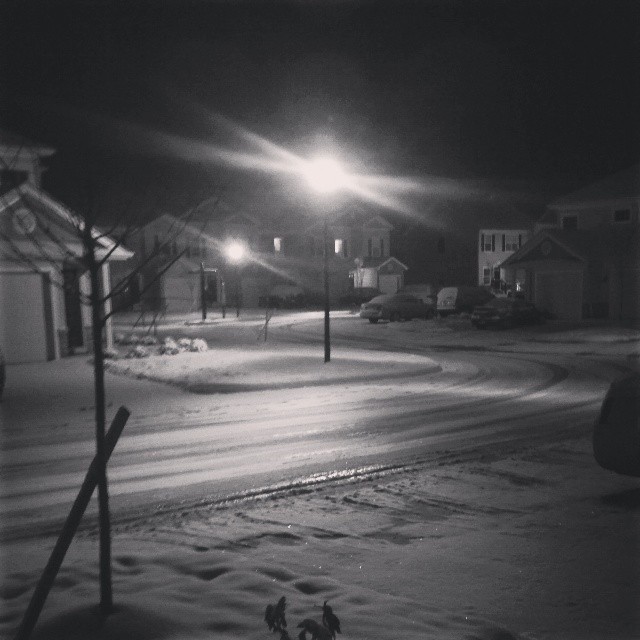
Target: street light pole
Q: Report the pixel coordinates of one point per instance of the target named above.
(203, 291)
(327, 333)
(326, 176)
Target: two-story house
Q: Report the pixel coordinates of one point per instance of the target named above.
(494, 247)
(584, 258)
(43, 282)
(280, 251)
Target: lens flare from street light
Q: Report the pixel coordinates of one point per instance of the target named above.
(235, 251)
(325, 175)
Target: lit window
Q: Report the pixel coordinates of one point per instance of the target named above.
(339, 246)
(277, 245)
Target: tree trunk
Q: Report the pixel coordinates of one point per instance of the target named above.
(97, 321)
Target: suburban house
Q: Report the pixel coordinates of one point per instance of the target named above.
(584, 257)
(494, 247)
(43, 282)
(281, 253)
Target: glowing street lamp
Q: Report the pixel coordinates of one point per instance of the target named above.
(326, 176)
(235, 252)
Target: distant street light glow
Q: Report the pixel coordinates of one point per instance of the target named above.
(325, 175)
(235, 251)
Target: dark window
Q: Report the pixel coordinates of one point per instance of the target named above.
(441, 246)
(370, 247)
(569, 222)
(622, 215)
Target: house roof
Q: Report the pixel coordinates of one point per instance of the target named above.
(621, 185)
(601, 244)
(48, 210)
(378, 263)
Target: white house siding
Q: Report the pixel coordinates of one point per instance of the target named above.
(367, 277)
(491, 255)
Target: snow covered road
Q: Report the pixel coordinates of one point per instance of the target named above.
(180, 449)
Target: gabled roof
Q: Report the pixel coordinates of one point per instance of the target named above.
(544, 245)
(49, 211)
(587, 245)
(621, 185)
(378, 263)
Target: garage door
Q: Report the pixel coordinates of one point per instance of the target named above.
(25, 305)
(389, 283)
(560, 294)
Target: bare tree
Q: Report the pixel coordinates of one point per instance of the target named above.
(79, 240)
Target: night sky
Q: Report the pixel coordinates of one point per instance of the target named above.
(540, 96)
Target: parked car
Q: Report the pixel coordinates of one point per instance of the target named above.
(392, 307)
(506, 312)
(616, 433)
(461, 299)
(358, 296)
(424, 292)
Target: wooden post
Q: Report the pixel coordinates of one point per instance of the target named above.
(69, 529)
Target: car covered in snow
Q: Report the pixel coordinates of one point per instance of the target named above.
(394, 307)
(464, 299)
(506, 312)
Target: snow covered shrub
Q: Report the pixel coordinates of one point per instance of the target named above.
(119, 338)
(138, 352)
(169, 347)
(149, 341)
(184, 343)
(110, 354)
(198, 344)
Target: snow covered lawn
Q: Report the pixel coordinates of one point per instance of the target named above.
(220, 369)
(490, 549)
